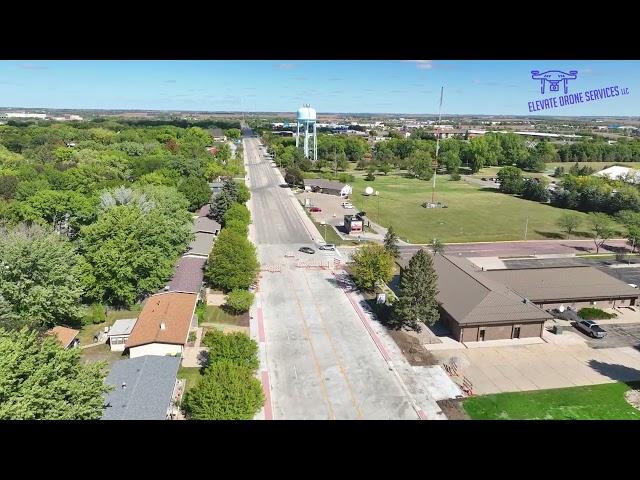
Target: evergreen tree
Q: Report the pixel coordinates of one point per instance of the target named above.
(416, 302)
(391, 242)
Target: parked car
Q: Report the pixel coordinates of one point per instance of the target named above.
(591, 328)
(347, 205)
(315, 209)
(328, 246)
(307, 250)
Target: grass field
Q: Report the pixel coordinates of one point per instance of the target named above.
(192, 376)
(215, 314)
(473, 213)
(594, 402)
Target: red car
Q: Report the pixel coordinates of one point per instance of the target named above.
(315, 209)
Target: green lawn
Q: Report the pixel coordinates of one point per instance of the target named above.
(191, 374)
(215, 314)
(595, 402)
(473, 213)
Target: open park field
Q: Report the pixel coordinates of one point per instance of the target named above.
(473, 213)
(593, 402)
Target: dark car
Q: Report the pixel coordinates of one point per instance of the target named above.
(315, 209)
(591, 328)
(306, 250)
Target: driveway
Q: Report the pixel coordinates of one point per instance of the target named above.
(618, 335)
(568, 362)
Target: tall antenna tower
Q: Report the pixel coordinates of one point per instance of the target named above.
(435, 162)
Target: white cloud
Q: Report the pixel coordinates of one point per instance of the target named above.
(32, 66)
(421, 64)
(285, 66)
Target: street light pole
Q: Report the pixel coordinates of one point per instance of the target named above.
(526, 227)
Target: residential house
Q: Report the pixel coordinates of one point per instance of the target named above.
(144, 388)
(66, 336)
(163, 325)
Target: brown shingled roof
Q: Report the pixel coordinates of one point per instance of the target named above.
(469, 296)
(563, 283)
(64, 335)
(174, 310)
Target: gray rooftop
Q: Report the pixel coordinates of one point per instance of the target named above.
(563, 284)
(322, 183)
(149, 387)
(206, 225)
(188, 275)
(201, 244)
(469, 296)
(122, 327)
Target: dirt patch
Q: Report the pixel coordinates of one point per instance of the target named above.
(412, 350)
(453, 409)
(633, 397)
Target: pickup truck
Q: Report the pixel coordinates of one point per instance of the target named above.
(591, 328)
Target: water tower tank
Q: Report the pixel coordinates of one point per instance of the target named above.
(306, 114)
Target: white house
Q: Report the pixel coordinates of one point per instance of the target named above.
(119, 333)
(163, 325)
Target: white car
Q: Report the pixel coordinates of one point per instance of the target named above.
(347, 205)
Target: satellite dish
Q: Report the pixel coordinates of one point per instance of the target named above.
(368, 191)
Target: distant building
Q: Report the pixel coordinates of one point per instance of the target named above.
(617, 172)
(40, 116)
(327, 186)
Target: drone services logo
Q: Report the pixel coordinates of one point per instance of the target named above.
(553, 78)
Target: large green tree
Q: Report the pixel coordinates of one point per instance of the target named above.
(391, 242)
(602, 229)
(236, 347)
(233, 262)
(416, 303)
(39, 278)
(226, 392)
(371, 264)
(510, 179)
(196, 190)
(130, 253)
(40, 380)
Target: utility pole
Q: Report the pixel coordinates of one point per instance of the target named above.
(435, 166)
(526, 227)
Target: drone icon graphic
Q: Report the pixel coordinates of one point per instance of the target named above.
(554, 77)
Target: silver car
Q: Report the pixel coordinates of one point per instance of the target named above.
(591, 328)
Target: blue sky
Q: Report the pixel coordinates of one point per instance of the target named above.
(390, 86)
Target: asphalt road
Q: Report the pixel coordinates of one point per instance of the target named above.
(322, 363)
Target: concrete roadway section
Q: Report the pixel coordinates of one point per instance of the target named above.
(322, 362)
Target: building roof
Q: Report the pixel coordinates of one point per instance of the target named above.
(206, 225)
(617, 172)
(122, 327)
(64, 335)
(469, 296)
(201, 244)
(149, 380)
(188, 275)
(204, 210)
(563, 283)
(174, 310)
(322, 183)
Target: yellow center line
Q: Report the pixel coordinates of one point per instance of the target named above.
(313, 354)
(335, 351)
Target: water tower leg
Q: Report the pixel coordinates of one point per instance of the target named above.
(306, 139)
(315, 143)
(297, 134)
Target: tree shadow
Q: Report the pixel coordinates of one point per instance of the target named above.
(580, 249)
(203, 360)
(490, 189)
(554, 235)
(619, 373)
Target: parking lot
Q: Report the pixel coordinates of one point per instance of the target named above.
(331, 205)
(618, 335)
